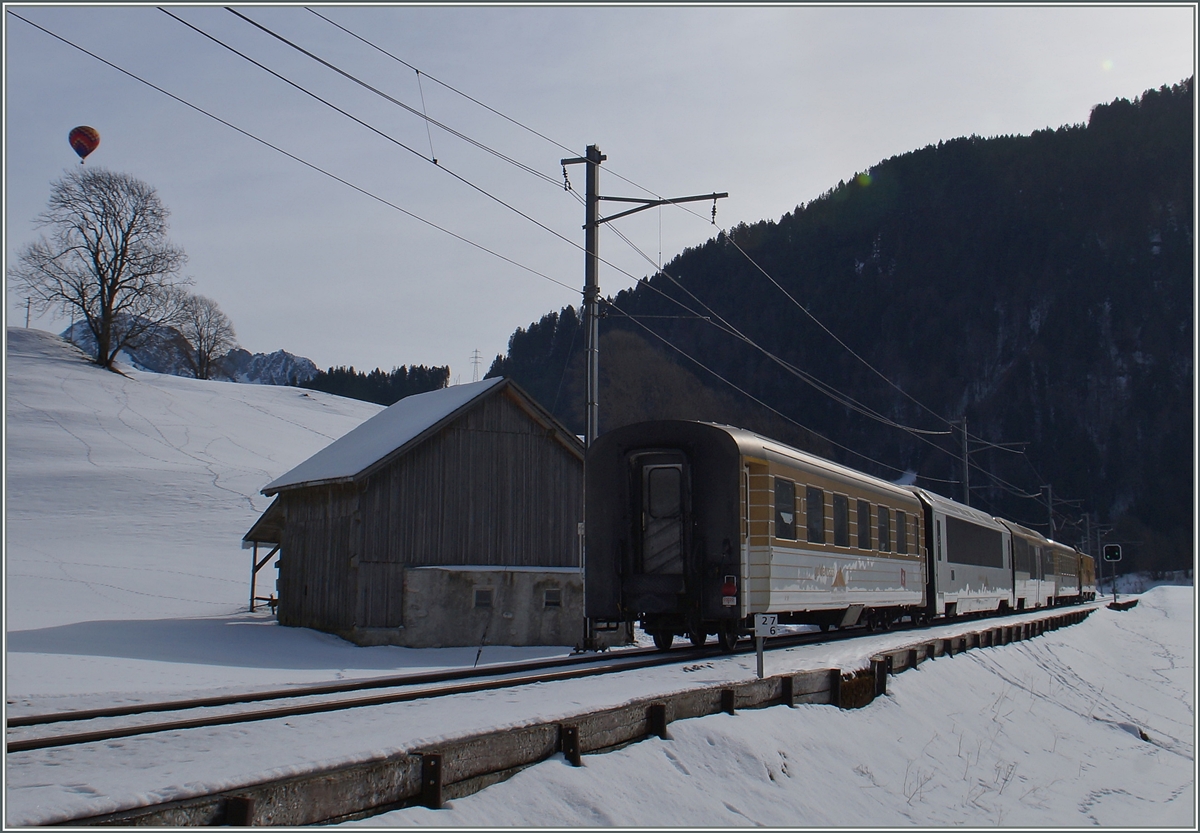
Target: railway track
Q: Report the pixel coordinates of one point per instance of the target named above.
(32, 732)
(465, 761)
(45, 731)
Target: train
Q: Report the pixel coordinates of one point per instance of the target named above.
(691, 528)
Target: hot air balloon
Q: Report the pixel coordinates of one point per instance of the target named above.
(84, 140)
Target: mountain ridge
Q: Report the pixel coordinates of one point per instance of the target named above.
(165, 351)
(1038, 287)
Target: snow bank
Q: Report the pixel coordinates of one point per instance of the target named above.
(1091, 725)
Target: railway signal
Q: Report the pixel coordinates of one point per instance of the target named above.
(1112, 552)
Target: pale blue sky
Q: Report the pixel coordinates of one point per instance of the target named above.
(773, 104)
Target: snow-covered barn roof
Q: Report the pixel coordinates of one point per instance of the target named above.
(267, 529)
(388, 433)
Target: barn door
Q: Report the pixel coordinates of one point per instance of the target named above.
(663, 508)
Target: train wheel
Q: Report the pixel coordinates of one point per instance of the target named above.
(698, 637)
(824, 626)
(727, 636)
(885, 620)
(663, 640)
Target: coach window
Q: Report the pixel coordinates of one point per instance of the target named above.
(864, 525)
(814, 508)
(785, 509)
(901, 532)
(885, 529)
(841, 520)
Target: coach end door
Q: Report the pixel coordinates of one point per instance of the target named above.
(661, 512)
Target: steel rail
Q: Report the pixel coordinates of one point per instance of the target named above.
(610, 664)
(342, 687)
(660, 658)
(504, 676)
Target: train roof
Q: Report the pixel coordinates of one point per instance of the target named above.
(958, 510)
(751, 444)
(1026, 531)
(756, 445)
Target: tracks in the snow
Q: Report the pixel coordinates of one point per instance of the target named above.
(44, 731)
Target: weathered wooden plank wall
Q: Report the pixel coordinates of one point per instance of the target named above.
(493, 488)
(321, 538)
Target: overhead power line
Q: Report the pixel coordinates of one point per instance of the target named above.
(373, 129)
(418, 113)
(442, 83)
(294, 157)
(826, 389)
(397, 142)
(714, 318)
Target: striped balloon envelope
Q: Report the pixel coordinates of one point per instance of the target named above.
(84, 140)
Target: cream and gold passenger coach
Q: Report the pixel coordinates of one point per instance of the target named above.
(694, 527)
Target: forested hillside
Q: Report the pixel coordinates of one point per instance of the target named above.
(378, 386)
(1041, 287)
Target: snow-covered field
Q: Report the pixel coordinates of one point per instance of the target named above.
(1038, 734)
(125, 502)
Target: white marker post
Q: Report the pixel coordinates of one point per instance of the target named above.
(765, 624)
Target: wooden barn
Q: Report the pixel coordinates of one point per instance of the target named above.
(450, 518)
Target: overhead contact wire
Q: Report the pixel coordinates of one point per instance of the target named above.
(397, 142)
(442, 83)
(791, 368)
(775, 411)
(293, 157)
(373, 129)
(392, 99)
(823, 387)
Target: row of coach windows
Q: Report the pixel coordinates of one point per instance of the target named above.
(814, 514)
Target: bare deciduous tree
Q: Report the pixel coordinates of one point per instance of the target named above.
(106, 260)
(208, 332)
